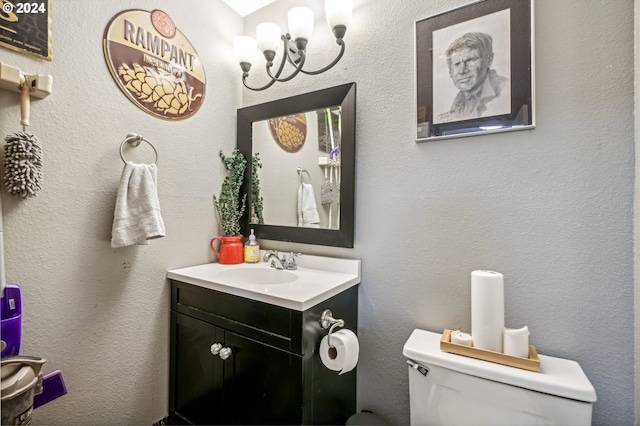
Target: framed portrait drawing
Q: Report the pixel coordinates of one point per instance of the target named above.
(475, 70)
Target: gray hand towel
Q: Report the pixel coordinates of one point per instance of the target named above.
(137, 216)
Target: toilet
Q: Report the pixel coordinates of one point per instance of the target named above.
(450, 389)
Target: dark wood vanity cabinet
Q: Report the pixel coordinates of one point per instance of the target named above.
(252, 386)
(273, 373)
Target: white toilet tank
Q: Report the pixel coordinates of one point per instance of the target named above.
(458, 390)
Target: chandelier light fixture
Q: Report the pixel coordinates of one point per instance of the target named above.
(294, 43)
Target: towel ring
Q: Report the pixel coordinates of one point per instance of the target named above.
(134, 140)
(300, 172)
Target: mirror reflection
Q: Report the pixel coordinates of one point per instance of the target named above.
(305, 145)
(301, 169)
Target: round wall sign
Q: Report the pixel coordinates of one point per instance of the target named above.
(154, 64)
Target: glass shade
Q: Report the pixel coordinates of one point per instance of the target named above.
(300, 22)
(338, 12)
(245, 48)
(268, 35)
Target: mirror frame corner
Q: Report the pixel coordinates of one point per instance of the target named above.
(343, 95)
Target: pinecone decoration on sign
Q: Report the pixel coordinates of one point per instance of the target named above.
(289, 132)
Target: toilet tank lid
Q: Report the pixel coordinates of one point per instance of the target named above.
(557, 376)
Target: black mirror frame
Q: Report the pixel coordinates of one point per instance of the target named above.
(345, 96)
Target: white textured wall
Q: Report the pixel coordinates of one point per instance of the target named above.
(100, 315)
(551, 208)
(636, 215)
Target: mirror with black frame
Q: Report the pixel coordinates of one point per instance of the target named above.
(306, 147)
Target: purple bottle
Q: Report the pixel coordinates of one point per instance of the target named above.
(10, 320)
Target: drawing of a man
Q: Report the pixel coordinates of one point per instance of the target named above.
(482, 92)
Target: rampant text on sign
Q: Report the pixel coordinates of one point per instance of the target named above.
(154, 64)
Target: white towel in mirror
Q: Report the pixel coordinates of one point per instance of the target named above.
(307, 211)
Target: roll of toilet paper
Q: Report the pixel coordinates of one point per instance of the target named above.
(343, 357)
(461, 338)
(487, 310)
(516, 341)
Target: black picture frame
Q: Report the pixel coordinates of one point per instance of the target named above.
(510, 23)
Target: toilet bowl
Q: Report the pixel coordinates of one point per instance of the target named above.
(450, 389)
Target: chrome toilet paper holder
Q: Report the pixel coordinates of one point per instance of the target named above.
(327, 321)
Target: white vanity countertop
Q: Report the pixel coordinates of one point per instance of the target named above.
(318, 279)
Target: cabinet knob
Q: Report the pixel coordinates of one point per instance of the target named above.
(225, 353)
(215, 348)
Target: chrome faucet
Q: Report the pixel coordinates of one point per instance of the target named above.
(286, 261)
(272, 257)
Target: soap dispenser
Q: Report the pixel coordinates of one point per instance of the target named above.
(252, 250)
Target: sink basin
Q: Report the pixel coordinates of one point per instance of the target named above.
(262, 276)
(317, 279)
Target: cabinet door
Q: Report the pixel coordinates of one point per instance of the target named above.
(265, 386)
(196, 374)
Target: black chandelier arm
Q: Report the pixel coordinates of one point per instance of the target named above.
(268, 67)
(280, 67)
(286, 56)
(328, 67)
(298, 62)
(297, 70)
(256, 89)
(275, 78)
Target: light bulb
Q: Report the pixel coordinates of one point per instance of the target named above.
(338, 14)
(268, 35)
(245, 49)
(300, 22)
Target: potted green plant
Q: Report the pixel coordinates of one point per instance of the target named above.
(256, 199)
(230, 207)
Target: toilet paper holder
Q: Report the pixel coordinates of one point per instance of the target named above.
(327, 321)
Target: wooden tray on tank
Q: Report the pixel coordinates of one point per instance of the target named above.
(532, 363)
